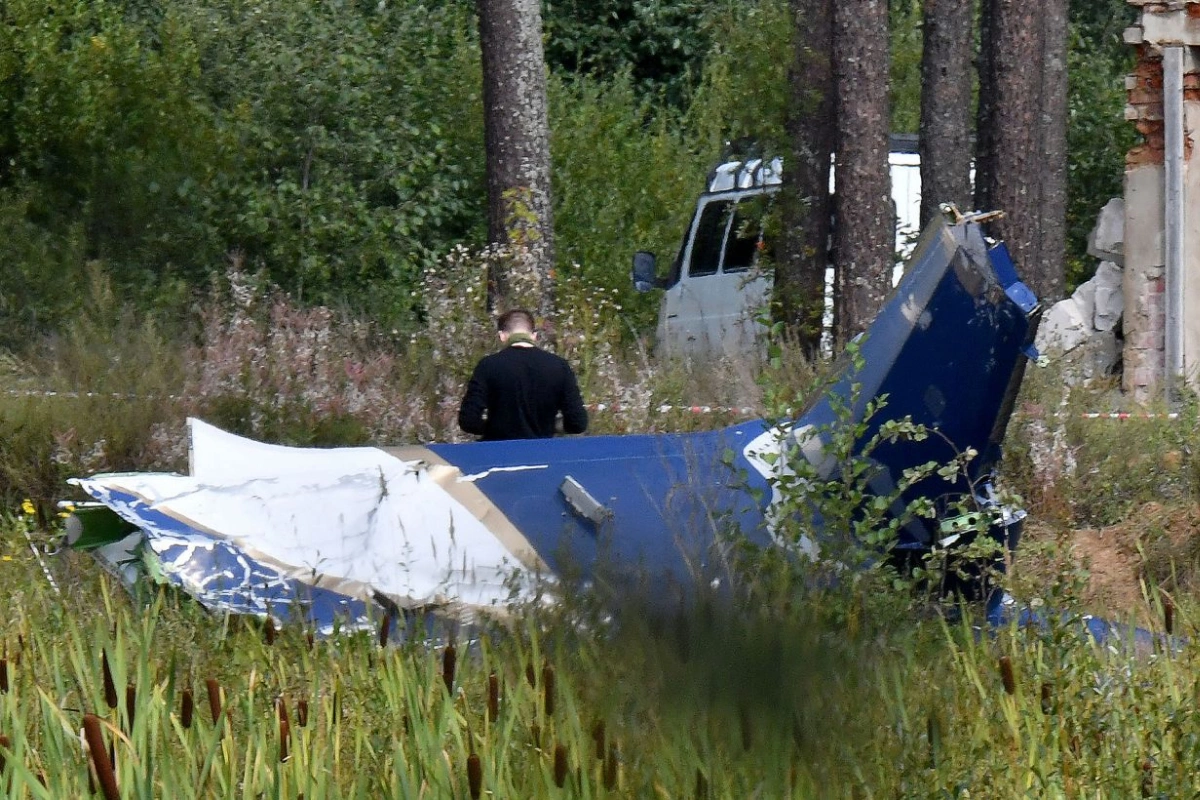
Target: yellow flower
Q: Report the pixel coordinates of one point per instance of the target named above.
(5, 558)
(27, 506)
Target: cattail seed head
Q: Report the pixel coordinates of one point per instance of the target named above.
(1007, 676)
(385, 629)
(302, 712)
(1147, 778)
(214, 699)
(1168, 614)
(110, 688)
(610, 767)
(548, 689)
(933, 731)
(310, 639)
(531, 676)
(449, 663)
(130, 703)
(281, 708)
(598, 738)
(100, 761)
(285, 733)
(493, 701)
(3, 676)
(269, 631)
(4, 745)
(746, 728)
(189, 707)
(1047, 699)
(474, 776)
(560, 765)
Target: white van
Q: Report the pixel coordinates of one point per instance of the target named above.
(717, 288)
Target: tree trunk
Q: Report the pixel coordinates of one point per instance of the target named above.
(517, 139)
(806, 207)
(1009, 163)
(865, 235)
(1051, 270)
(945, 140)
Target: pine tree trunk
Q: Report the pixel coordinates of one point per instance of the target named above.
(517, 140)
(865, 235)
(946, 106)
(1051, 270)
(1009, 162)
(805, 204)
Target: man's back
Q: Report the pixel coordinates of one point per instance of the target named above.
(522, 389)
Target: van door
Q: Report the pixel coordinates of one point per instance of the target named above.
(712, 310)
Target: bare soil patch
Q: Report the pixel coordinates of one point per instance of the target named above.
(1158, 544)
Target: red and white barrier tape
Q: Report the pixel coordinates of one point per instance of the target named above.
(663, 409)
(1127, 415)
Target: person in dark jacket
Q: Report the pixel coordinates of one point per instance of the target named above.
(518, 392)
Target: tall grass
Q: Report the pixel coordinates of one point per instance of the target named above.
(720, 703)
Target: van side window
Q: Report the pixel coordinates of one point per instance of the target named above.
(710, 236)
(744, 237)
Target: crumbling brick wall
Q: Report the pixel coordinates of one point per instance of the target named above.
(1161, 22)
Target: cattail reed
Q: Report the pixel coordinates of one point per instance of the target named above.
(933, 731)
(100, 760)
(3, 676)
(385, 629)
(493, 701)
(188, 708)
(560, 765)
(474, 776)
(598, 738)
(214, 699)
(1047, 699)
(4, 745)
(310, 639)
(548, 689)
(285, 733)
(449, 663)
(130, 703)
(281, 709)
(744, 723)
(110, 688)
(610, 768)
(302, 713)
(531, 676)
(1168, 614)
(1006, 675)
(269, 631)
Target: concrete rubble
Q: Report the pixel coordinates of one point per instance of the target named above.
(1084, 330)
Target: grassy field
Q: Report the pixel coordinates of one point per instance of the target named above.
(762, 703)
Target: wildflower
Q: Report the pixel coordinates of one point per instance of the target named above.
(27, 507)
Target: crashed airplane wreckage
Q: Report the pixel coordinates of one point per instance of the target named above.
(327, 536)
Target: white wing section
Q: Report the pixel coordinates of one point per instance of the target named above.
(355, 520)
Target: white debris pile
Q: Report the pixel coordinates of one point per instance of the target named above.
(1084, 330)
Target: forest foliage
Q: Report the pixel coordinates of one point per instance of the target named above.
(337, 146)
